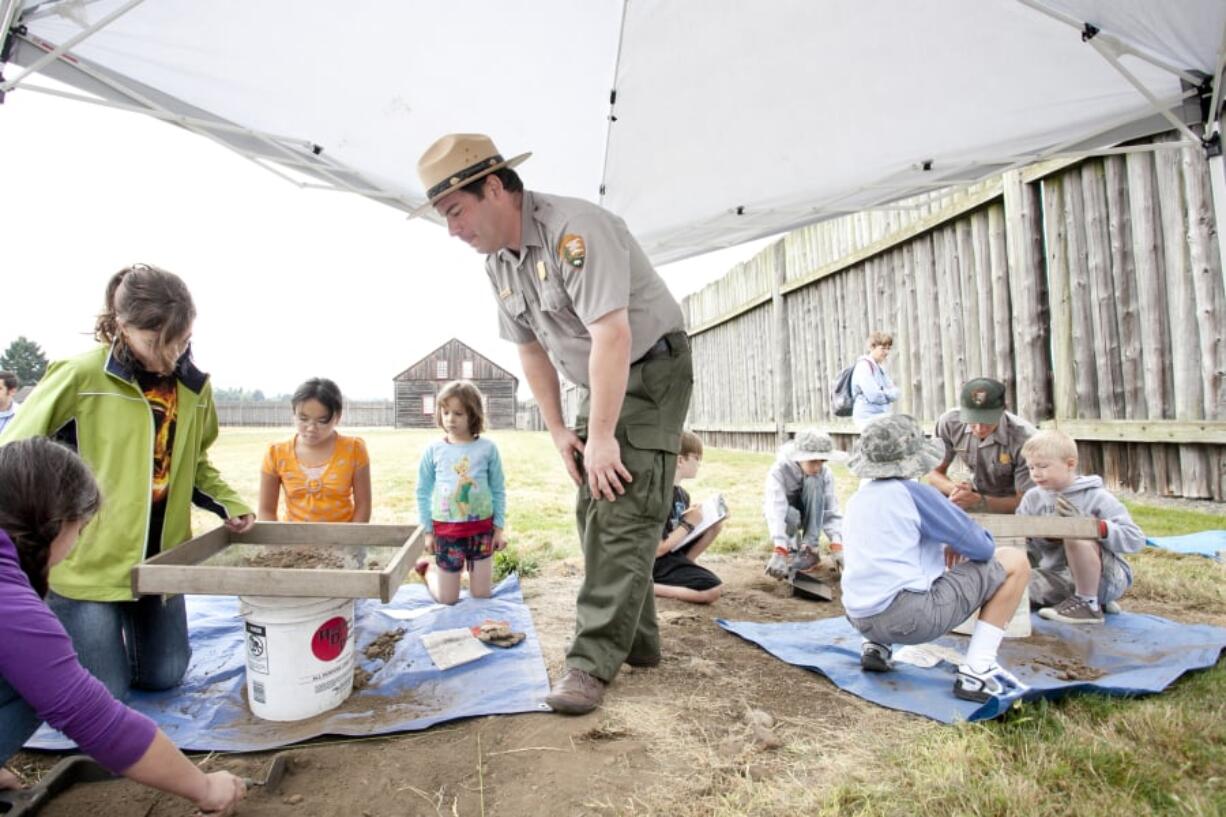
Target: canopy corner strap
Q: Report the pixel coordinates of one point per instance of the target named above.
(295, 153)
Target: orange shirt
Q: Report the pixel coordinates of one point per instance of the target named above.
(323, 493)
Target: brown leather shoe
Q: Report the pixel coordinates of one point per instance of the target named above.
(646, 661)
(577, 693)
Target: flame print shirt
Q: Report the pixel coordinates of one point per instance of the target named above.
(161, 393)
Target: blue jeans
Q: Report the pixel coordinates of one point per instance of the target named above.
(17, 721)
(138, 644)
(806, 512)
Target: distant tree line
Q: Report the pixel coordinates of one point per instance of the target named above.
(241, 395)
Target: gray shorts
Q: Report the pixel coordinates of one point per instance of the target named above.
(1050, 587)
(917, 618)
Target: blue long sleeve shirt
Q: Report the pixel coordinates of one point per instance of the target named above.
(461, 488)
(895, 533)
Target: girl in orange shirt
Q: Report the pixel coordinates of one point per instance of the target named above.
(325, 475)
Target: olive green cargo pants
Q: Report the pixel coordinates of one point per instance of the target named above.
(616, 614)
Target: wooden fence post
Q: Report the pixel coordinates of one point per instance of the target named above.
(1024, 243)
(1064, 404)
(781, 354)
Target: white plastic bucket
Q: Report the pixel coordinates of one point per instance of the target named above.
(299, 655)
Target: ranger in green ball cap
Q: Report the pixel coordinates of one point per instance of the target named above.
(987, 440)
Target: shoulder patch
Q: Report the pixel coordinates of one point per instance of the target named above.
(572, 250)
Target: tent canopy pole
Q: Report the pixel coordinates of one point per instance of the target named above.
(68, 45)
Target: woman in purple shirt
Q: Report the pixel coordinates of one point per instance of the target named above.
(47, 495)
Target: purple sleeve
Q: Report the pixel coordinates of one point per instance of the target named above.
(943, 521)
(37, 659)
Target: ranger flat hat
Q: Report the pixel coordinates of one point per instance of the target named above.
(895, 446)
(811, 444)
(458, 159)
(982, 401)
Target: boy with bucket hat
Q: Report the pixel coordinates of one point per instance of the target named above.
(799, 503)
(988, 440)
(579, 297)
(917, 565)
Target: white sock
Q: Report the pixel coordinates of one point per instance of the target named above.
(985, 641)
(1091, 601)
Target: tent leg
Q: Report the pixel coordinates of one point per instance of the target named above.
(1217, 180)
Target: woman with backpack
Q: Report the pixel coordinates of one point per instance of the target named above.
(871, 388)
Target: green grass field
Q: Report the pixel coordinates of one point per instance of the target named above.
(1084, 755)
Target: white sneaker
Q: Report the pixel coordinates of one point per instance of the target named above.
(875, 657)
(996, 682)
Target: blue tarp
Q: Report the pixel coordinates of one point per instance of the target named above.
(208, 711)
(1209, 543)
(1136, 654)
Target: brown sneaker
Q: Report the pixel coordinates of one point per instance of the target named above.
(647, 661)
(1073, 611)
(577, 693)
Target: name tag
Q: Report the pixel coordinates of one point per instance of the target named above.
(541, 272)
(504, 294)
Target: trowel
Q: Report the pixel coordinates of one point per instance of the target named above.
(276, 771)
(807, 587)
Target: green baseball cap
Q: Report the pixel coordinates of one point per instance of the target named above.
(982, 401)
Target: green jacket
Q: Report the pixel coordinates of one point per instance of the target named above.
(94, 404)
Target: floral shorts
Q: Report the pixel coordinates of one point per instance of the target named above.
(453, 553)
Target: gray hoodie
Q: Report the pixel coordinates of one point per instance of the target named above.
(1087, 495)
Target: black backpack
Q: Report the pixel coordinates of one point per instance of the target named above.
(841, 398)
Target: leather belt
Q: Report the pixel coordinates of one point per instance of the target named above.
(666, 346)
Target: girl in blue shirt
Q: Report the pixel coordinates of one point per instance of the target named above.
(461, 497)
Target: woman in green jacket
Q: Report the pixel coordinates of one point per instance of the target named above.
(141, 415)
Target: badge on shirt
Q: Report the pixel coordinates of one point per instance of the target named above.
(504, 294)
(572, 250)
(1005, 459)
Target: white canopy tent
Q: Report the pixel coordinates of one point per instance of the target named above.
(704, 123)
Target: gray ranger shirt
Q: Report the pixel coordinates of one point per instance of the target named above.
(577, 263)
(996, 464)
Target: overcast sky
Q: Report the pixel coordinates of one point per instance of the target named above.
(288, 283)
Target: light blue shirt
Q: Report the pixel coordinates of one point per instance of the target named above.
(895, 533)
(458, 483)
(7, 415)
(871, 389)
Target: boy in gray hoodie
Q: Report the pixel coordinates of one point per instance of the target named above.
(1076, 579)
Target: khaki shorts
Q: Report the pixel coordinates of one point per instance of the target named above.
(917, 618)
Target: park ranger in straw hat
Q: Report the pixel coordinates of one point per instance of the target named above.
(578, 295)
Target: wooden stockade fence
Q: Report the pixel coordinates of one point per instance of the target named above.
(280, 413)
(1093, 289)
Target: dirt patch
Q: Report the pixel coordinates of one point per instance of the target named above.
(296, 558)
(1066, 659)
(1067, 670)
(384, 646)
(361, 678)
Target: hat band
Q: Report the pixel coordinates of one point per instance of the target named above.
(455, 179)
